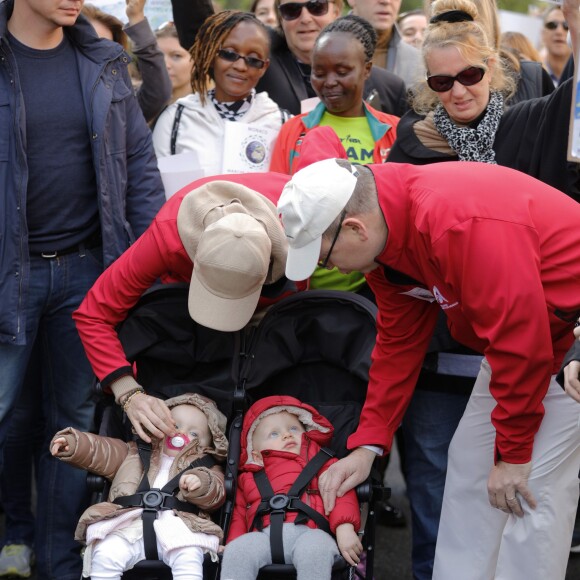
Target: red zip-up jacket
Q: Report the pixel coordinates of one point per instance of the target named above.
(282, 469)
(288, 147)
(498, 251)
(157, 255)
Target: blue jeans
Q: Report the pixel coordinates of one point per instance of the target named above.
(57, 286)
(428, 427)
(21, 452)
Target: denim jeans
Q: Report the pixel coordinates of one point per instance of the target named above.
(428, 427)
(21, 451)
(56, 288)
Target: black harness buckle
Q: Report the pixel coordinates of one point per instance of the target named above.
(280, 501)
(153, 499)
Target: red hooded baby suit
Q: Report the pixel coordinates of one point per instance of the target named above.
(283, 467)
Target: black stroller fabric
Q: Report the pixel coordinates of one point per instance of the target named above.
(175, 354)
(314, 345)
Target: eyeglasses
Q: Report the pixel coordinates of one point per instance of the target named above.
(232, 56)
(324, 263)
(467, 77)
(293, 10)
(553, 24)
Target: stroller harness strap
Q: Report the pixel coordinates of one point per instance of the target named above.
(154, 500)
(278, 504)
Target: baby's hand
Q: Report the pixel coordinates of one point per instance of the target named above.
(221, 549)
(349, 543)
(189, 482)
(58, 446)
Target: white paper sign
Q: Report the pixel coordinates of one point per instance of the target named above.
(179, 170)
(247, 149)
(156, 11)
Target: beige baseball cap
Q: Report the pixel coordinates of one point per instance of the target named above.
(236, 242)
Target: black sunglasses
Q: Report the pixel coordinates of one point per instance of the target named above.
(553, 24)
(468, 77)
(293, 10)
(233, 56)
(324, 263)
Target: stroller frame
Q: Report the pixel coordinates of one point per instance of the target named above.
(249, 364)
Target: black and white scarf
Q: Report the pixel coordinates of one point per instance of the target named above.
(472, 144)
(234, 110)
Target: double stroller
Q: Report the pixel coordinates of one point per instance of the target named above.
(314, 345)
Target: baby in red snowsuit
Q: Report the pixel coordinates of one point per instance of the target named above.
(280, 435)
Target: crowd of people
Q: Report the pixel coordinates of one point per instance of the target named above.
(341, 116)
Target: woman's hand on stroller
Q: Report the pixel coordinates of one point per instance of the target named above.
(150, 416)
(345, 475)
(349, 543)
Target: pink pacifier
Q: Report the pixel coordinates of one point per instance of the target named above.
(178, 442)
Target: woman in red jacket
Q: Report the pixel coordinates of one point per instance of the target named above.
(280, 436)
(341, 63)
(230, 215)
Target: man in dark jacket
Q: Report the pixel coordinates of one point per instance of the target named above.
(80, 183)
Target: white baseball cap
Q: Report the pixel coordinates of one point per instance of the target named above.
(310, 202)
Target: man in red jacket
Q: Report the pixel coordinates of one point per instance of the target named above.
(499, 252)
(228, 226)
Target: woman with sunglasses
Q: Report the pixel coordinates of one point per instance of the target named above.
(460, 114)
(555, 39)
(531, 78)
(232, 50)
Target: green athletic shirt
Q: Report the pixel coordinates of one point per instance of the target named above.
(355, 135)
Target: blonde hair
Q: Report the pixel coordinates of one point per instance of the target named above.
(520, 45)
(487, 16)
(471, 39)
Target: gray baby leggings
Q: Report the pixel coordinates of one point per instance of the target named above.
(312, 552)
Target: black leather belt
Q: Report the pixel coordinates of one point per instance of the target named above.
(92, 241)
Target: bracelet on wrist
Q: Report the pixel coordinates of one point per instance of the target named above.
(123, 398)
(130, 396)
